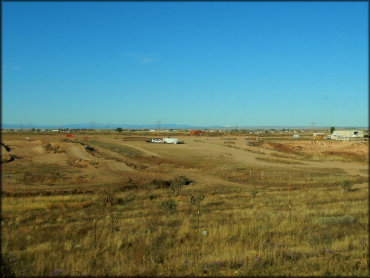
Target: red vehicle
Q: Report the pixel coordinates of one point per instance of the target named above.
(195, 132)
(69, 135)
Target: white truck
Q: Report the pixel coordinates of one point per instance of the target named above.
(157, 140)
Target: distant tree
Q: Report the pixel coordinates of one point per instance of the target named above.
(332, 129)
(119, 129)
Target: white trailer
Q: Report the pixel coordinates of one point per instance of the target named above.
(169, 140)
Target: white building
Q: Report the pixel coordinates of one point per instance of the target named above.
(349, 134)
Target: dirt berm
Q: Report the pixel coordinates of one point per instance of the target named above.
(5, 156)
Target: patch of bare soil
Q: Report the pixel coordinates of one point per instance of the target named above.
(348, 150)
(78, 151)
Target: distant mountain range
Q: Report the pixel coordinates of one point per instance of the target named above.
(101, 126)
(154, 126)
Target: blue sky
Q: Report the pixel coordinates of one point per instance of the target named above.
(197, 63)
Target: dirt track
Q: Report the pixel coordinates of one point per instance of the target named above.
(199, 158)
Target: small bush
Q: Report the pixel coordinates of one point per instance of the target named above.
(107, 198)
(253, 193)
(129, 185)
(168, 206)
(176, 185)
(195, 200)
(346, 185)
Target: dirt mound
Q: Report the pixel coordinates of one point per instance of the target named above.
(54, 148)
(282, 148)
(5, 156)
(38, 150)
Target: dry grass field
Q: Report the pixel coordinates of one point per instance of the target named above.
(213, 206)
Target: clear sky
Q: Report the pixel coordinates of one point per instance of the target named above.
(198, 63)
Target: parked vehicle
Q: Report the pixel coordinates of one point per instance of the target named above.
(157, 140)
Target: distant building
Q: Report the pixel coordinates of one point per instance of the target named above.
(296, 136)
(349, 134)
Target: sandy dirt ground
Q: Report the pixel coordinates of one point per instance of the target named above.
(113, 160)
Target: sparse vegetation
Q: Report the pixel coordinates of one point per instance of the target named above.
(329, 220)
(253, 193)
(168, 206)
(117, 148)
(177, 184)
(102, 220)
(195, 200)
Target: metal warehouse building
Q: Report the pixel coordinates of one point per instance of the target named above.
(350, 134)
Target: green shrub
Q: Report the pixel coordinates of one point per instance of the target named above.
(346, 185)
(168, 206)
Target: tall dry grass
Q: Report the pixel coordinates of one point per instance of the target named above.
(306, 231)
